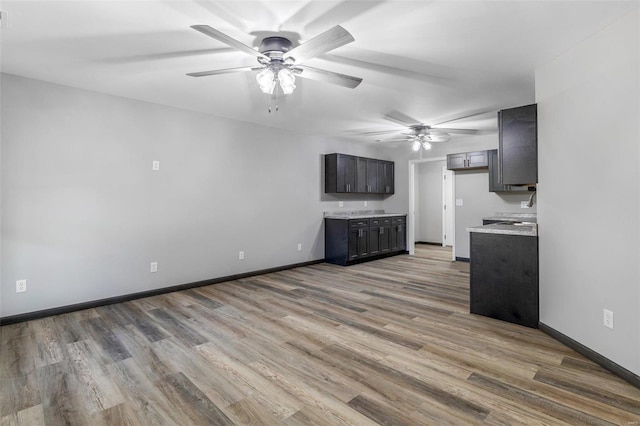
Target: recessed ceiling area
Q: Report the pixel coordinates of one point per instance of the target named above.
(434, 61)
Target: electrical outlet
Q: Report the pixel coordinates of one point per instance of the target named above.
(21, 286)
(365, 204)
(340, 203)
(155, 165)
(607, 318)
(459, 202)
(524, 204)
(153, 267)
(241, 255)
(299, 246)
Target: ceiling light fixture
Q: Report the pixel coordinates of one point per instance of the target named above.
(266, 80)
(273, 74)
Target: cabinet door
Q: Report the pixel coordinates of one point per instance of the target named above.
(494, 173)
(354, 236)
(457, 161)
(477, 159)
(358, 238)
(346, 173)
(387, 177)
(374, 239)
(398, 234)
(372, 175)
(384, 238)
(518, 145)
(361, 175)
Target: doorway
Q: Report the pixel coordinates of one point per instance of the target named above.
(431, 205)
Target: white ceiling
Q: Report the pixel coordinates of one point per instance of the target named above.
(433, 61)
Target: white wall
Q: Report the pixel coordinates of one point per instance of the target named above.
(83, 214)
(589, 192)
(429, 201)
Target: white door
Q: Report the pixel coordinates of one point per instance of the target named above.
(447, 206)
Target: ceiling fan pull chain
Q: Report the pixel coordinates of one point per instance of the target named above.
(273, 100)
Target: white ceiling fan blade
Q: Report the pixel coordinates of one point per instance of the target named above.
(328, 76)
(213, 33)
(459, 131)
(222, 71)
(322, 43)
(400, 118)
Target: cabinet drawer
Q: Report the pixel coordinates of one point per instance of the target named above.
(358, 223)
(399, 220)
(380, 221)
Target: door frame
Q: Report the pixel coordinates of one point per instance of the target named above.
(450, 210)
(411, 240)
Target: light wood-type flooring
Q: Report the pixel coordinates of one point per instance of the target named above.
(384, 342)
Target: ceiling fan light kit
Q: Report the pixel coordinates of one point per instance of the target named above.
(280, 62)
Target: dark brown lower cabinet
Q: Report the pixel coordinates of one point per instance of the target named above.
(350, 241)
(358, 240)
(399, 233)
(504, 277)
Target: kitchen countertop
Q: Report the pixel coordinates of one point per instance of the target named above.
(513, 217)
(361, 216)
(525, 229)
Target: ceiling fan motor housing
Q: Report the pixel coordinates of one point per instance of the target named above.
(275, 47)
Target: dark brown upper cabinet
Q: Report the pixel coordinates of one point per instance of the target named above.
(518, 145)
(468, 160)
(340, 173)
(351, 174)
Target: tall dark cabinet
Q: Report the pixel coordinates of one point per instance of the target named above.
(518, 145)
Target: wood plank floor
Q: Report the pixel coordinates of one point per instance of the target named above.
(385, 342)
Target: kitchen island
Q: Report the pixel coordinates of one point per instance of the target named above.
(504, 272)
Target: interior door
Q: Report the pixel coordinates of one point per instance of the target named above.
(447, 206)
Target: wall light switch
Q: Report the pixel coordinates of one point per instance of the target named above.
(607, 318)
(459, 202)
(155, 165)
(299, 247)
(153, 267)
(241, 255)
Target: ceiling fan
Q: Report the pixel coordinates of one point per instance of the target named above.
(279, 62)
(421, 135)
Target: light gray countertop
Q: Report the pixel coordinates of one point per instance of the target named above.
(362, 216)
(513, 217)
(527, 230)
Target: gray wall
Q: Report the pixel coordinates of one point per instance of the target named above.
(429, 201)
(83, 214)
(589, 192)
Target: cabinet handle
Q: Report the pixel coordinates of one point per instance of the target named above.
(348, 187)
